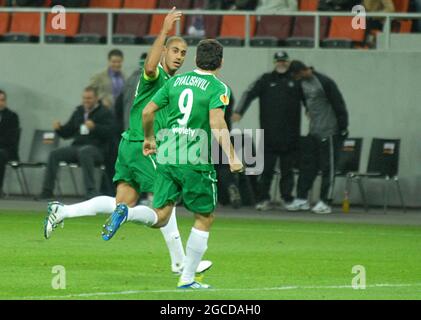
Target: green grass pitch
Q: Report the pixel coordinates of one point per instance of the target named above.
(253, 259)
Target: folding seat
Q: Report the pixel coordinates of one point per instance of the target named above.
(309, 5)
(383, 163)
(342, 35)
(272, 31)
(402, 26)
(233, 30)
(111, 4)
(211, 25)
(43, 142)
(348, 166)
(4, 24)
(303, 31)
(93, 28)
(61, 36)
(24, 28)
(132, 28)
(158, 19)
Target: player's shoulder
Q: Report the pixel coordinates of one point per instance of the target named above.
(221, 85)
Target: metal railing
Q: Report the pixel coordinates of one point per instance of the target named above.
(389, 17)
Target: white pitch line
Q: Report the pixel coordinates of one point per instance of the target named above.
(285, 288)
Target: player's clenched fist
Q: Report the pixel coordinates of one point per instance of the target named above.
(149, 147)
(170, 19)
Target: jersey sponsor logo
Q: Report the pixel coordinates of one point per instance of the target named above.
(225, 99)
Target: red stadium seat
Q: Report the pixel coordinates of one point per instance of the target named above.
(309, 5)
(60, 36)
(140, 4)
(272, 31)
(233, 30)
(4, 23)
(342, 35)
(303, 31)
(112, 4)
(93, 28)
(132, 28)
(158, 19)
(401, 5)
(401, 26)
(24, 27)
(211, 24)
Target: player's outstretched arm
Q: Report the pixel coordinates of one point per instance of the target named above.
(220, 131)
(148, 117)
(154, 55)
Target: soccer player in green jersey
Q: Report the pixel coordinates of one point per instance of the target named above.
(136, 173)
(194, 103)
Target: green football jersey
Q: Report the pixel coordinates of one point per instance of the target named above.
(185, 138)
(146, 89)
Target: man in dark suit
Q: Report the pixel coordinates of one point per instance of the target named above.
(92, 127)
(9, 136)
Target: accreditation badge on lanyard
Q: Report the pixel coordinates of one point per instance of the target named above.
(84, 131)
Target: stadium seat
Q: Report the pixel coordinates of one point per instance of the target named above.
(93, 28)
(272, 31)
(43, 142)
(401, 26)
(233, 30)
(24, 28)
(132, 28)
(348, 165)
(211, 25)
(309, 5)
(303, 32)
(342, 35)
(383, 163)
(4, 24)
(140, 4)
(62, 36)
(112, 4)
(401, 5)
(158, 19)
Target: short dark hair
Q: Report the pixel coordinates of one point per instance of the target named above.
(209, 54)
(297, 66)
(92, 89)
(115, 53)
(174, 39)
(3, 93)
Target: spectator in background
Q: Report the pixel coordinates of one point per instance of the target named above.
(328, 117)
(375, 25)
(417, 8)
(91, 126)
(110, 82)
(228, 182)
(231, 4)
(124, 101)
(70, 3)
(337, 5)
(25, 3)
(280, 116)
(277, 5)
(9, 136)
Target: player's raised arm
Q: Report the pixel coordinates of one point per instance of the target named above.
(154, 55)
(220, 131)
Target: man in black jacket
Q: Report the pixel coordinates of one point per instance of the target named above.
(280, 99)
(92, 126)
(9, 135)
(328, 117)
